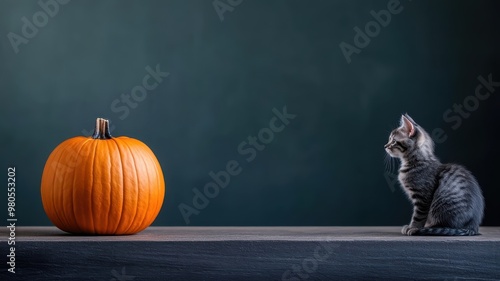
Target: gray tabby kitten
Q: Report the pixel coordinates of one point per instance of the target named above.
(447, 199)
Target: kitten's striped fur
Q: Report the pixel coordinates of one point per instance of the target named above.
(447, 199)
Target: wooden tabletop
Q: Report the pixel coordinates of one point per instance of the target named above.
(327, 233)
(253, 253)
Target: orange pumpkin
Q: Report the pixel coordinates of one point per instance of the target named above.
(102, 185)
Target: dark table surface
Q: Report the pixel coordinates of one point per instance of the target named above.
(314, 233)
(253, 253)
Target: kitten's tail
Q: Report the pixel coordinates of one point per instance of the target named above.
(431, 231)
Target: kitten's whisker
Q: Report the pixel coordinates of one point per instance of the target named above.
(392, 165)
(386, 163)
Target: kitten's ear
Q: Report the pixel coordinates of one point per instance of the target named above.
(407, 125)
(409, 118)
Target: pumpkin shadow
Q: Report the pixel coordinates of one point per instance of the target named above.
(41, 232)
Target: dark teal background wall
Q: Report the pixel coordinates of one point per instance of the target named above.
(327, 165)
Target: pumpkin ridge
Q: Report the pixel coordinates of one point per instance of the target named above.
(87, 144)
(137, 187)
(123, 184)
(96, 143)
(65, 177)
(147, 213)
(61, 172)
(159, 182)
(59, 192)
(109, 182)
(54, 210)
(73, 186)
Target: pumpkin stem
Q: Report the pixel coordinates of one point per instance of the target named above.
(101, 130)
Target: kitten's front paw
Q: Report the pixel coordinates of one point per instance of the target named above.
(408, 230)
